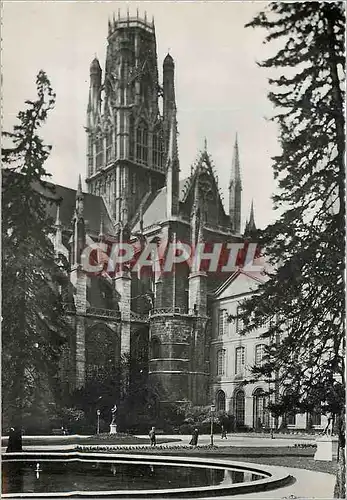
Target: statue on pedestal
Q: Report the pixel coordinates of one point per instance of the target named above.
(113, 426)
(113, 412)
(328, 431)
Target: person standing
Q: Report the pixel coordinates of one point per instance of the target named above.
(152, 436)
(14, 440)
(223, 432)
(195, 436)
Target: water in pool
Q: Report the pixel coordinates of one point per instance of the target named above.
(60, 476)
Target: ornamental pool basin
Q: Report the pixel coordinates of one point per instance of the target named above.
(26, 475)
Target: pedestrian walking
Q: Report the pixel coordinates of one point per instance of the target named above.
(195, 436)
(223, 432)
(152, 436)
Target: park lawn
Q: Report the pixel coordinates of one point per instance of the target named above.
(102, 439)
(301, 458)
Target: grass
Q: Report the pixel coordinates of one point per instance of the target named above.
(301, 458)
(288, 456)
(101, 439)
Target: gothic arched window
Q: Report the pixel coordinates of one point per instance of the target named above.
(99, 152)
(220, 399)
(157, 148)
(109, 145)
(142, 143)
(155, 348)
(90, 156)
(221, 362)
(102, 353)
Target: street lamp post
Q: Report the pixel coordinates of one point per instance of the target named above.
(98, 421)
(212, 420)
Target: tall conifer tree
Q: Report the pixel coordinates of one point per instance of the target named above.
(33, 323)
(303, 301)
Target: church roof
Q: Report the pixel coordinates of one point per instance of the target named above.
(155, 211)
(259, 277)
(94, 209)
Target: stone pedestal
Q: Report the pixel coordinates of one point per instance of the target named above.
(113, 429)
(326, 448)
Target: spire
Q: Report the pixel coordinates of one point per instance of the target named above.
(79, 233)
(173, 150)
(196, 190)
(169, 100)
(251, 217)
(250, 225)
(235, 168)
(79, 199)
(235, 188)
(58, 238)
(57, 219)
(101, 232)
(205, 145)
(79, 187)
(172, 172)
(94, 91)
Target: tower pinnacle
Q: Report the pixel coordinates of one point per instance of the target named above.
(172, 175)
(235, 188)
(79, 187)
(250, 225)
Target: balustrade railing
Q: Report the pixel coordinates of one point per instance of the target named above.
(140, 318)
(173, 310)
(217, 227)
(103, 313)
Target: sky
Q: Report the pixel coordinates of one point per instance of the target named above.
(220, 90)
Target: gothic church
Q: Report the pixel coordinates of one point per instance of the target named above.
(163, 323)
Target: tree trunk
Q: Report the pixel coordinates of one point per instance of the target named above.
(340, 485)
(339, 115)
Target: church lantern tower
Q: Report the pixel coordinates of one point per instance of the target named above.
(127, 146)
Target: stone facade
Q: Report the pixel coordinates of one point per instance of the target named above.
(162, 321)
(232, 356)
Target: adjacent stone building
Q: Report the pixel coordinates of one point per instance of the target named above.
(232, 355)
